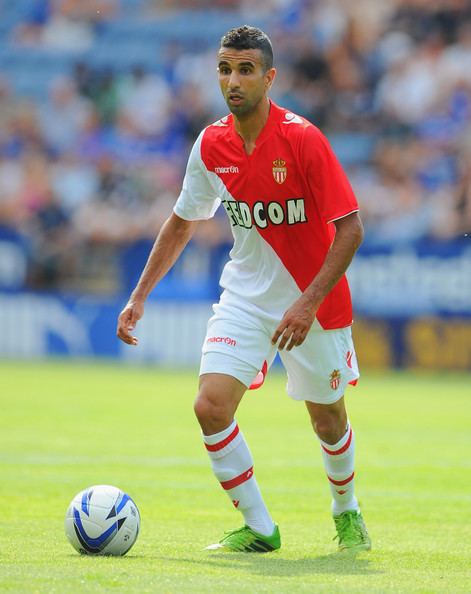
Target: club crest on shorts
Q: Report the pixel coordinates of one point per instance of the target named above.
(335, 379)
(279, 170)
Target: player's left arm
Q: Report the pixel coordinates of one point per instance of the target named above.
(299, 318)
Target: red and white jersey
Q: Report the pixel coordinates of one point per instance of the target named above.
(281, 201)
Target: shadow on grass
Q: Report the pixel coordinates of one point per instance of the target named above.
(336, 563)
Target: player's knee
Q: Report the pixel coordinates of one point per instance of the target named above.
(329, 428)
(212, 416)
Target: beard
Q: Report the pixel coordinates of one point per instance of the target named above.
(246, 107)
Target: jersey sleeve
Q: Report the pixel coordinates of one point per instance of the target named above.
(198, 199)
(328, 182)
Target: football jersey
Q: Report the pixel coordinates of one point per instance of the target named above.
(281, 202)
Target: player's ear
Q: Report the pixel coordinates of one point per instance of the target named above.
(269, 78)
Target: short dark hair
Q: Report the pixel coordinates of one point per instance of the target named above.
(247, 37)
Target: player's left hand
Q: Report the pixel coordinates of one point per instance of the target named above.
(295, 324)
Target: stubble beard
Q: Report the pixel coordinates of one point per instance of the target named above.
(245, 109)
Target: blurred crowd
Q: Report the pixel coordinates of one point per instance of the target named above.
(96, 162)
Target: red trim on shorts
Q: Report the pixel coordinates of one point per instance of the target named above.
(342, 449)
(341, 483)
(260, 377)
(215, 447)
(238, 480)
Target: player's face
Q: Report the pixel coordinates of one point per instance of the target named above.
(242, 78)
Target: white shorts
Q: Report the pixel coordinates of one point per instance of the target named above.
(238, 342)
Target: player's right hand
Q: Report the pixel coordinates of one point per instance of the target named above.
(127, 321)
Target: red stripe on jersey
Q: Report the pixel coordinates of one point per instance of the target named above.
(238, 480)
(343, 449)
(215, 447)
(341, 483)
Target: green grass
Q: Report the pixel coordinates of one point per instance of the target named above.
(64, 427)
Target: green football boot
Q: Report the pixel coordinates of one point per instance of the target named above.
(246, 540)
(352, 532)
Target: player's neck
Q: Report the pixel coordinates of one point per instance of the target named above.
(249, 126)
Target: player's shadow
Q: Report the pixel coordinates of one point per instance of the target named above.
(347, 563)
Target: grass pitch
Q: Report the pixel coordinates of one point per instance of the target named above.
(64, 427)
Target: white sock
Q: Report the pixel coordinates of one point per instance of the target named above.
(233, 466)
(339, 465)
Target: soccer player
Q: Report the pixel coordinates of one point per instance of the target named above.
(296, 228)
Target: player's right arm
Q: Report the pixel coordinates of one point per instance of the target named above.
(171, 240)
(198, 201)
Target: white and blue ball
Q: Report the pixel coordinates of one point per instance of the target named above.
(102, 520)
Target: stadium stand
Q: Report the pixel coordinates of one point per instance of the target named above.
(100, 102)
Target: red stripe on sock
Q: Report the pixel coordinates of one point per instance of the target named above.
(238, 480)
(341, 483)
(343, 448)
(223, 443)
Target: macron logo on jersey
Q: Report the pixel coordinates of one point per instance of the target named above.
(228, 169)
(260, 214)
(292, 118)
(222, 123)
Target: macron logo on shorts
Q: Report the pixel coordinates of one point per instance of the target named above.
(223, 339)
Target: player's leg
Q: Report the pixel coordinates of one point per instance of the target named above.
(234, 349)
(318, 373)
(232, 463)
(337, 442)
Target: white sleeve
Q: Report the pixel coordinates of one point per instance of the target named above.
(198, 200)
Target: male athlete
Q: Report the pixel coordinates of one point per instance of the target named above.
(296, 228)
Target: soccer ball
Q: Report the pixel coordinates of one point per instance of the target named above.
(102, 520)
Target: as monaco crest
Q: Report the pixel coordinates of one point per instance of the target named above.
(279, 170)
(335, 379)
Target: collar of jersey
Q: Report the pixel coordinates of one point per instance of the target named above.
(273, 118)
